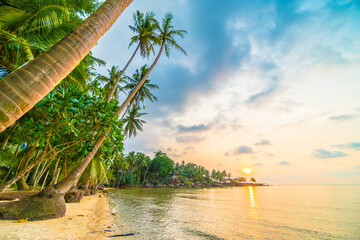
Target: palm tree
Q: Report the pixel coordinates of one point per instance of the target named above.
(167, 39)
(124, 166)
(144, 92)
(112, 80)
(132, 122)
(30, 27)
(141, 162)
(27, 85)
(144, 29)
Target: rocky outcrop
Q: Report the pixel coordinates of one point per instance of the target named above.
(74, 195)
(47, 204)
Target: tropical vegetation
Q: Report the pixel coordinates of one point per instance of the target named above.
(73, 136)
(63, 124)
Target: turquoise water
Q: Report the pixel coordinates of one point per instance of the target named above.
(274, 212)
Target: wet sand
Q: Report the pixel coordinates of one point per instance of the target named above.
(85, 220)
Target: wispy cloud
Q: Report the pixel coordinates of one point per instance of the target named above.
(257, 164)
(323, 154)
(243, 150)
(193, 128)
(263, 142)
(284, 163)
(341, 118)
(240, 150)
(350, 145)
(269, 90)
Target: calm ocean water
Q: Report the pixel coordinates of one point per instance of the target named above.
(274, 212)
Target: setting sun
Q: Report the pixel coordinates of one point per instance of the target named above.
(247, 170)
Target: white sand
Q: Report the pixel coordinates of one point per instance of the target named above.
(97, 218)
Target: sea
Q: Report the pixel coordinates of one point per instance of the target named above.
(265, 212)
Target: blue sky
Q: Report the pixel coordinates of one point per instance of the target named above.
(272, 85)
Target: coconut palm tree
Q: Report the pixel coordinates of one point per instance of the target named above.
(113, 78)
(30, 27)
(144, 29)
(144, 92)
(133, 122)
(22, 89)
(166, 40)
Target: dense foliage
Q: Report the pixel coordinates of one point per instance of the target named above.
(54, 137)
(137, 169)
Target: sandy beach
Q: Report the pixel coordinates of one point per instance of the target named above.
(85, 220)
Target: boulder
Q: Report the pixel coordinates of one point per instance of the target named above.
(160, 185)
(46, 204)
(199, 185)
(74, 195)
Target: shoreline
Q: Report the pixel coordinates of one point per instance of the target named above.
(84, 220)
(195, 186)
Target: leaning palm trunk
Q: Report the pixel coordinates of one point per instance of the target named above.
(6, 140)
(44, 157)
(147, 168)
(26, 86)
(119, 78)
(64, 185)
(20, 174)
(122, 174)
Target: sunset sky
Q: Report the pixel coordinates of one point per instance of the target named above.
(268, 85)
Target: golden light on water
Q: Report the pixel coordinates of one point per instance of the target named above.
(247, 170)
(252, 203)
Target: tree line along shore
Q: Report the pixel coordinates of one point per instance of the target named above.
(62, 124)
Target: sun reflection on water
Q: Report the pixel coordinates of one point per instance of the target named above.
(252, 203)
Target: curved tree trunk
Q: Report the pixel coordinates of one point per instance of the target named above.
(26, 86)
(147, 168)
(6, 140)
(123, 71)
(64, 185)
(20, 174)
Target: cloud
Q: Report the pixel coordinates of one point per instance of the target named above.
(188, 139)
(193, 128)
(243, 150)
(257, 164)
(341, 118)
(263, 142)
(284, 163)
(350, 145)
(268, 91)
(356, 166)
(323, 154)
(240, 150)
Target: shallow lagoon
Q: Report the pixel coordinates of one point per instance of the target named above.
(274, 212)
